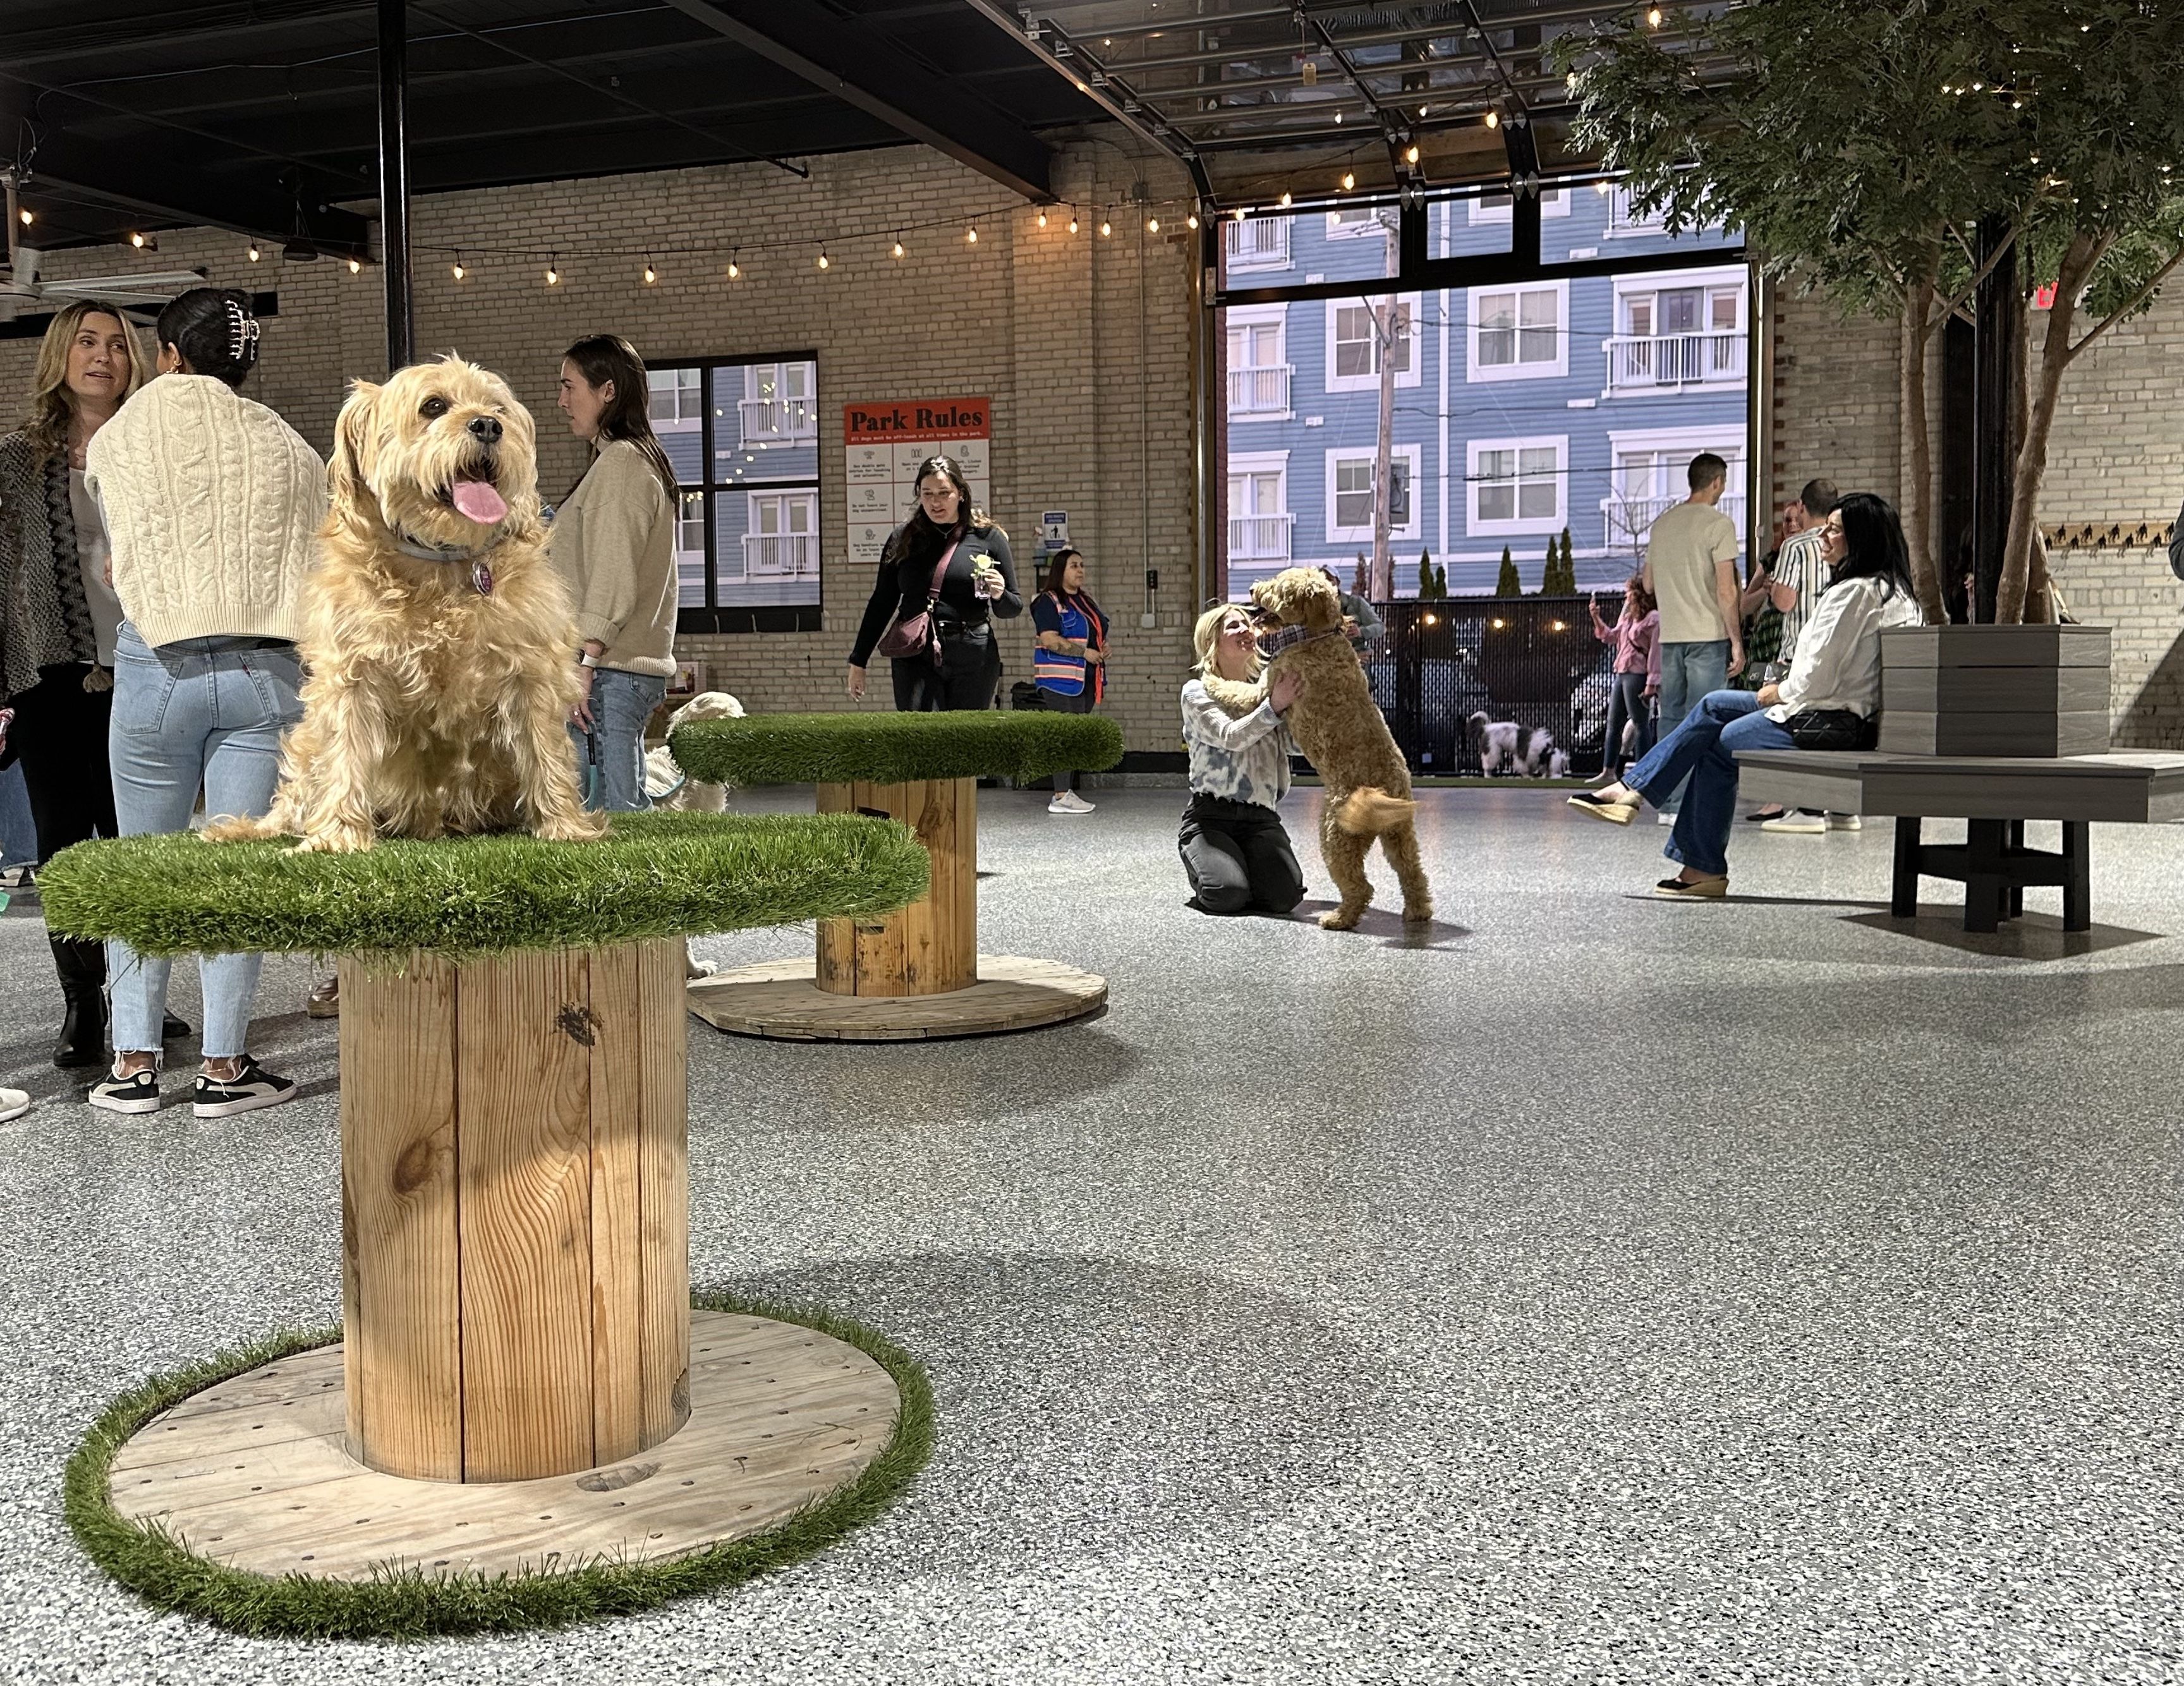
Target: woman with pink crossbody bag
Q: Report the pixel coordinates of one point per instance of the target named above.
(944, 576)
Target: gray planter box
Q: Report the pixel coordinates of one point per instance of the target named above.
(2028, 691)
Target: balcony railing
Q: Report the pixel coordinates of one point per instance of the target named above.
(778, 418)
(788, 555)
(1260, 243)
(1629, 520)
(1673, 362)
(1259, 538)
(1259, 391)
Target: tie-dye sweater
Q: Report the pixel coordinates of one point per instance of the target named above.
(1245, 759)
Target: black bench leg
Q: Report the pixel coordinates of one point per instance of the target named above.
(2078, 876)
(2013, 842)
(1985, 894)
(1903, 885)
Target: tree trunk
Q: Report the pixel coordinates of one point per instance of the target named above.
(1384, 467)
(2039, 606)
(1918, 476)
(2079, 258)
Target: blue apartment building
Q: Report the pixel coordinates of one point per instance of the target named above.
(1519, 409)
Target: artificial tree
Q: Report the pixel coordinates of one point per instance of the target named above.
(1506, 584)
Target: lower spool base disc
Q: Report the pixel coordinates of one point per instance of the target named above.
(780, 1000)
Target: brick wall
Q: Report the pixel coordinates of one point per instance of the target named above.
(1076, 348)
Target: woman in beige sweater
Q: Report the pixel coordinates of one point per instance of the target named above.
(212, 506)
(613, 540)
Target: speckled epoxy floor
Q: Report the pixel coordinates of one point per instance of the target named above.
(1609, 1291)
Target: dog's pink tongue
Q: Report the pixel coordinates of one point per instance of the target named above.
(479, 502)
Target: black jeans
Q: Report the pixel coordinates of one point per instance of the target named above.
(1237, 856)
(60, 735)
(969, 673)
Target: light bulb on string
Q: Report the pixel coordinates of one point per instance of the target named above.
(1152, 224)
(552, 273)
(971, 236)
(137, 240)
(1106, 227)
(254, 255)
(823, 257)
(25, 217)
(1349, 180)
(1654, 18)
(897, 251)
(1494, 120)
(1238, 214)
(1191, 221)
(457, 269)
(1072, 219)
(651, 274)
(1410, 155)
(734, 269)
(356, 266)
(1286, 202)
(1042, 219)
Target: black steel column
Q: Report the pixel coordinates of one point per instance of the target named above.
(1994, 378)
(394, 185)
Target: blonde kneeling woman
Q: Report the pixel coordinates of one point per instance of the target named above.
(1235, 853)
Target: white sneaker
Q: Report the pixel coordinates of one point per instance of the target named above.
(1069, 802)
(1845, 822)
(14, 1103)
(1797, 821)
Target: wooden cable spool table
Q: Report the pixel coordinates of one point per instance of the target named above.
(516, 1384)
(916, 972)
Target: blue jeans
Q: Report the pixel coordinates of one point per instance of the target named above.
(200, 713)
(1703, 750)
(1626, 704)
(18, 835)
(611, 756)
(1689, 672)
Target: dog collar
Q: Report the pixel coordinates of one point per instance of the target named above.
(481, 575)
(1282, 638)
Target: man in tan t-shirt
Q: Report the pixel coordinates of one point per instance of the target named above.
(1691, 569)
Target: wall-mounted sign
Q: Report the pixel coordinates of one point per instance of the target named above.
(886, 441)
(1053, 531)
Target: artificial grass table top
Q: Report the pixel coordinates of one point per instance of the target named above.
(896, 749)
(655, 875)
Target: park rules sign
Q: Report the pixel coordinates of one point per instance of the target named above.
(885, 443)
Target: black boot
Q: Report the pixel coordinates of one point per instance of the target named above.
(82, 968)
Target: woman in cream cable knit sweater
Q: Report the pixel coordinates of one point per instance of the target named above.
(214, 504)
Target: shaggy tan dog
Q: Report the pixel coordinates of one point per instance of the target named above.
(1340, 730)
(665, 781)
(438, 638)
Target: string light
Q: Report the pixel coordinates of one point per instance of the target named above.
(24, 216)
(1106, 227)
(1654, 18)
(971, 238)
(1191, 221)
(255, 253)
(1042, 219)
(1494, 120)
(356, 266)
(1072, 219)
(1349, 180)
(823, 257)
(897, 251)
(552, 274)
(1239, 213)
(137, 240)
(734, 269)
(457, 268)
(1411, 155)
(651, 274)
(1337, 120)
(1286, 202)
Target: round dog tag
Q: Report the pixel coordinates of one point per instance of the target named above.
(482, 577)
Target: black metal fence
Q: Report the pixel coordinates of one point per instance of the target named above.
(1530, 666)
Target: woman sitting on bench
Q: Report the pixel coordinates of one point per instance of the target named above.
(1827, 701)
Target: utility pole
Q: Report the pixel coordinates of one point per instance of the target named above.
(1387, 328)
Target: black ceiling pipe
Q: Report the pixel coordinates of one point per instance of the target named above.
(394, 187)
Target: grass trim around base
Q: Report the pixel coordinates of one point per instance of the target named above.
(656, 874)
(843, 748)
(411, 1605)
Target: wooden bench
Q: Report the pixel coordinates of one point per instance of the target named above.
(1996, 795)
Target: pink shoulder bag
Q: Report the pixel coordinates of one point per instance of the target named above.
(915, 635)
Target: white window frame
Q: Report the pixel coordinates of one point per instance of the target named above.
(1678, 446)
(1554, 202)
(1285, 260)
(1709, 280)
(1414, 375)
(798, 427)
(1338, 229)
(1518, 526)
(808, 497)
(677, 423)
(1276, 316)
(1413, 530)
(1254, 463)
(1557, 369)
(1620, 226)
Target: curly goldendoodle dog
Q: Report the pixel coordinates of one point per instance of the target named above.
(438, 638)
(1340, 730)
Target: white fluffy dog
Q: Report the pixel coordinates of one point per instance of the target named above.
(1504, 746)
(665, 781)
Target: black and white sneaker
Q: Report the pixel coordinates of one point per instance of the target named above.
(250, 1088)
(139, 1092)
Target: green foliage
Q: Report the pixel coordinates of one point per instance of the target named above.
(656, 874)
(1569, 566)
(1440, 581)
(1506, 584)
(1425, 574)
(895, 748)
(410, 1605)
(1549, 584)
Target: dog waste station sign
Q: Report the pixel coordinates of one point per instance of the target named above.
(886, 441)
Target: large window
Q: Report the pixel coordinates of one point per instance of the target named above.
(1517, 485)
(1349, 495)
(743, 435)
(1259, 369)
(1677, 331)
(1518, 332)
(1353, 343)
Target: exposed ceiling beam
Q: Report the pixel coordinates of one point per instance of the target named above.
(851, 60)
(165, 193)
